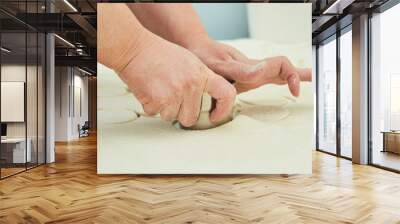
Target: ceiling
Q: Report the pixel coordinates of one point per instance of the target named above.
(332, 15)
(75, 22)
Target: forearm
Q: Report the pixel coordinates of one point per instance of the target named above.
(121, 36)
(178, 23)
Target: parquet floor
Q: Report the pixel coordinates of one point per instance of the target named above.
(69, 191)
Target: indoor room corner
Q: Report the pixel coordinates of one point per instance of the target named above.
(48, 80)
(53, 90)
(75, 90)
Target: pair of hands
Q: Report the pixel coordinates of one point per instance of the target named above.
(170, 80)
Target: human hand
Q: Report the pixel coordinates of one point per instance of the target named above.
(170, 80)
(247, 73)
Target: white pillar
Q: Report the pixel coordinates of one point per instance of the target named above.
(50, 99)
(360, 90)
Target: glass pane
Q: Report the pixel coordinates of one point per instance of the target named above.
(41, 98)
(386, 89)
(346, 94)
(13, 87)
(327, 97)
(31, 88)
(31, 98)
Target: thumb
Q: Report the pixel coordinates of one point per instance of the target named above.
(224, 94)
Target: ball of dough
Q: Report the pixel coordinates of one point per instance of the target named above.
(203, 121)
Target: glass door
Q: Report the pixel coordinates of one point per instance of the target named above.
(385, 89)
(14, 153)
(346, 92)
(327, 96)
(22, 77)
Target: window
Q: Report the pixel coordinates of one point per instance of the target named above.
(22, 66)
(385, 89)
(327, 96)
(394, 101)
(346, 93)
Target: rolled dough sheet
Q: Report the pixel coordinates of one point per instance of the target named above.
(272, 134)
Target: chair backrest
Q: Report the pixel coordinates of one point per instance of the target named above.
(86, 125)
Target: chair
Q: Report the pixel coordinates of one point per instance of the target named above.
(84, 130)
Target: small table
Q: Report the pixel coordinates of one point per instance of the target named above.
(18, 151)
(391, 141)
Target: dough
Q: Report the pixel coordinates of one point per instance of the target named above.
(270, 113)
(117, 116)
(203, 121)
(109, 83)
(127, 101)
(252, 143)
(266, 109)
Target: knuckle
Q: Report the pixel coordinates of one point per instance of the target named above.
(229, 92)
(224, 56)
(176, 87)
(192, 83)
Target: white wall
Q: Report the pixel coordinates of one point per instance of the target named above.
(79, 118)
(69, 81)
(34, 125)
(62, 81)
(16, 72)
(223, 21)
(267, 21)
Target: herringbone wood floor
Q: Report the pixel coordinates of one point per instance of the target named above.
(69, 191)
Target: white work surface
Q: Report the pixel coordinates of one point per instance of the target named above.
(272, 133)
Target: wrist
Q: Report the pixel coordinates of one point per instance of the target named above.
(117, 45)
(194, 40)
(124, 52)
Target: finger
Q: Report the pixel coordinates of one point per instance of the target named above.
(170, 112)
(233, 70)
(290, 75)
(237, 55)
(252, 61)
(152, 108)
(190, 108)
(305, 74)
(294, 84)
(224, 94)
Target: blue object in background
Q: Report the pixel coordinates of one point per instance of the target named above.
(224, 21)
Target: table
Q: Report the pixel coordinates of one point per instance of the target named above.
(18, 150)
(391, 141)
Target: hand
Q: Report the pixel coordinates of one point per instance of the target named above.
(247, 73)
(170, 80)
